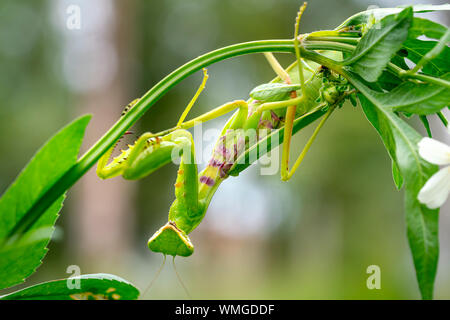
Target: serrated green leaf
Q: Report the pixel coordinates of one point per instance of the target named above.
(268, 92)
(418, 48)
(21, 258)
(377, 47)
(425, 27)
(92, 287)
(418, 98)
(422, 223)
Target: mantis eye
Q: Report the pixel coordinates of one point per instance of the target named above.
(171, 241)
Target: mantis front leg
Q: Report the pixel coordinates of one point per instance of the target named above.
(147, 155)
(150, 152)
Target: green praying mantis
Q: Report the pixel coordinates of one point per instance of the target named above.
(272, 106)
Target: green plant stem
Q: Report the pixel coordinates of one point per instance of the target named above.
(328, 45)
(433, 53)
(442, 118)
(425, 78)
(349, 40)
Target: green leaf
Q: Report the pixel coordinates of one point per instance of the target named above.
(422, 223)
(92, 287)
(426, 124)
(377, 119)
(418, 98)
(388, 81)
(273, 91)
(364, 17)
(377, 47)
(440, 46)
(397, 176)
(20, 258)
(425, 27)
(418, 48)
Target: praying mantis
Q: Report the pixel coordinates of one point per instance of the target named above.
(274, 105)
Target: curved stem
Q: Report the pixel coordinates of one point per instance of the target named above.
(349, 40)
(138, 110)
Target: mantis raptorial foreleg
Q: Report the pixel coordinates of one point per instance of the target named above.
(147, 155)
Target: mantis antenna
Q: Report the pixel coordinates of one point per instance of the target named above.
(179, 279)
(154, 278)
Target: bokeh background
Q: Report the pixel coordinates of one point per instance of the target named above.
(310, 238)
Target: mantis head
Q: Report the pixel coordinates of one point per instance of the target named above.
(171, 241)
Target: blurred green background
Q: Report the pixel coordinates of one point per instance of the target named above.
(310, 238)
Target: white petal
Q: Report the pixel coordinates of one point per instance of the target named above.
(434, 151)
(436, 189)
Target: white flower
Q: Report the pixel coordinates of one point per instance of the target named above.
(435, 191)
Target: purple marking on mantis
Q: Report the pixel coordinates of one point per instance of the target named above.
(275, 118)
(215, 163)
(207, 180)
(241, 144)
(224, 169)
(221, 149)
(252, 108)
(266, 124)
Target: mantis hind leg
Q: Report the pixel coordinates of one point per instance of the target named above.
(291, 110)
(286, 174)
